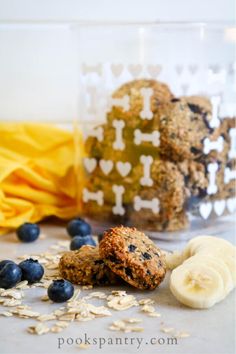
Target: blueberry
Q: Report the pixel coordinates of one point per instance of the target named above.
(10, 275)
(79, 241)
(60, 290)
(28, 232)
(131, 248)
(146, 255)
(32, 270)
(5, 261)
(78, 227)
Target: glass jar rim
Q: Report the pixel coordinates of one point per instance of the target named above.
(211, 25)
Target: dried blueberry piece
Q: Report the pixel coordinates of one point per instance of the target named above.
(113, 259)
(186, 179)
(229, 164)
(195, 108)
(165, 224)
(98, 261)
(146, 255)
(193, 201)
(132, 248)
(128, 272)
(175, 100)
(148, 272)
(207, 123)
(195, 151)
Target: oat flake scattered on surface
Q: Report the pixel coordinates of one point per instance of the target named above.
(11, 302)
(146, 302)
(132, 320)
(83, 346)
(123, 326)
(167, 329)
(44, 298)
(24, 313)
(46, 317)
(154, 314)
(182, 334)
(6, 314)
(96, 294)
(38, 329)
(119, 300)
(77, 308)
(147, 308)
(22, 285)
(87, 287)
(12, 293)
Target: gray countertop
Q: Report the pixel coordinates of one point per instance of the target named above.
(211, 331)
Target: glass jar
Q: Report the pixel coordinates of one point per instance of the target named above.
(156, 105)
(38, 111)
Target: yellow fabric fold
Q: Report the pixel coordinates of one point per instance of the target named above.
(38, 173)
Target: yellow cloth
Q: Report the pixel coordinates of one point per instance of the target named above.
(38, 173)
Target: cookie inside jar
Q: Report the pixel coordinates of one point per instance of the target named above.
(157, 159)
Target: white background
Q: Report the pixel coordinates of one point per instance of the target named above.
(38, 68)
(188, 10)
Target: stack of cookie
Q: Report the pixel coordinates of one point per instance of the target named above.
(124, 254)
(161, 162)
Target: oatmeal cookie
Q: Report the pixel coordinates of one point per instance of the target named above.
(176, 185)
(169, 188)
(133, 256)
(161, 93)
(85, 267)
(105, 150)
(147, 220)
(183, 127)
(225, 188)
(179, 171)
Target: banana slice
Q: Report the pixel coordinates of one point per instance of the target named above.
(197, 286)
(208, 244)
(224, 254)
(218, 265)
(173, 260)
(220, 248)
(231, 264)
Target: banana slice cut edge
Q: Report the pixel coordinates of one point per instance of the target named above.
(197, 286)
